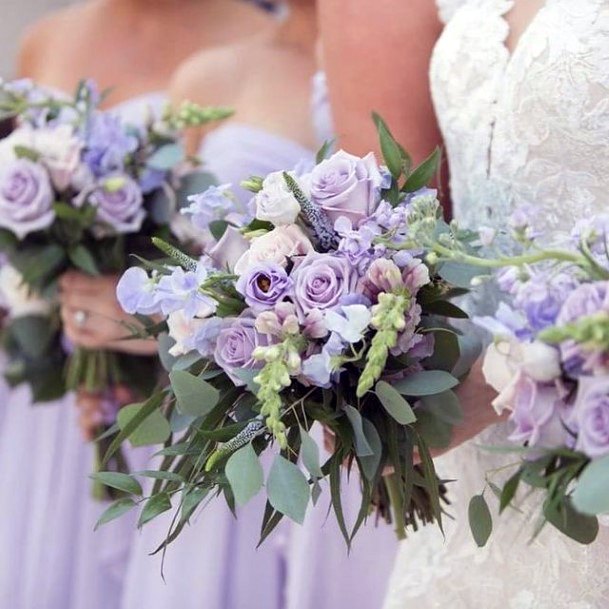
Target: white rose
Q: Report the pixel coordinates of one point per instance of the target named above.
(540, 361)
(182, 329)
(277, 246)
(501, 368)
(17, 297)
(60, 153)
(275, 203)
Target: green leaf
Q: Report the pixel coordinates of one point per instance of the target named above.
(217, 228)
(157, 504)
(244, 474)
(509, 491)
(166, 157)
(480, 520)
(459, 274)
(23, 152)
(389, 147)
(436, 431)
(426, 382)
(446, 351)
(288, 489)
(445, 406)
(195, 396)
(64, 211)
(591, 495)
(154, 429)
(470, 348)
(82, 259)
(160, 475)
(115, 510)
(445, 308)
(323, 152)
(310, 454)
(424, 173)
(33, 334)
(362, 448)
(193, 184)
(165, 343)
(118, 480)
(394, 403)
(579, 527)
(192, 498)
(370, 463)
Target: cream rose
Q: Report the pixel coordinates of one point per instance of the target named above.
(275, 203)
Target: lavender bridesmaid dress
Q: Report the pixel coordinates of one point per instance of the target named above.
(214, 564)
(51, 558)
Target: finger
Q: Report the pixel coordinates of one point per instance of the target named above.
(80, 282)
(102, 303)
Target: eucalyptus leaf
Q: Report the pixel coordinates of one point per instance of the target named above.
(244, 474)
(459, 274)
(309, 452)
(115, 510)
(436, 431)
(394, 403)
(194, 183)
(426, 382)
(165, 343)
(470, 348)
(157, 504)
(118, 480)
(370, 464)
(195, 397)
(166, 157)
(288, 489)
(446, 351)
(480, 520)
(362, 448)
(445, 406)
(154, 429)
(591, 495)
(582, 528)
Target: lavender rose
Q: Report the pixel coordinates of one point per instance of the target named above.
(591, 416)
(119, 203)
(26, 197)
(264, 285)
(346, 185)
(320, 281)
(235, 347)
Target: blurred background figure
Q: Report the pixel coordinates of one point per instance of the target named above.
(52, 557)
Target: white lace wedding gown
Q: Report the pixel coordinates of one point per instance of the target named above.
(530, 126)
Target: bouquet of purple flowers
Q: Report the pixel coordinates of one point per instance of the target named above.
(80, 189)
(306, 312)
(549, 362)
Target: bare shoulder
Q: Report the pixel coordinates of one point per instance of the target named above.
(47, 34)
(213, 76)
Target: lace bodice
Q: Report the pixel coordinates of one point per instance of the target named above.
(530, 126)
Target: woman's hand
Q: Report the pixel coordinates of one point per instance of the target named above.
(92, 317)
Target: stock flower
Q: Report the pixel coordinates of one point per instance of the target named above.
(26, 197)
(107, 144)
(213, 204)
(382, 276)
(356, 245)
(277, 246)
(264, 285)
(275, 203)
(591, 416)
(119, 202)
(235, 347)
(136, 292)
(346, 185)
(320, 281)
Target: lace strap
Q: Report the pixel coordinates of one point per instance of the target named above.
(447, 8)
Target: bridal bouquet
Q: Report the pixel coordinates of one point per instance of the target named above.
(79, 189)
(549, 363)
(305, 313)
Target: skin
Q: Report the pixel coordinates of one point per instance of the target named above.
(388, 72)
(266, 79)
(123, 45)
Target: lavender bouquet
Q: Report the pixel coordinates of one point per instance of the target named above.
(80, 189)
(549, 362)
(305, 313)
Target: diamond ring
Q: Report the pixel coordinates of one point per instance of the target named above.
(80, 318)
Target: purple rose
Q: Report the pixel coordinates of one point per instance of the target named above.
(264, 285)
(26, 197)
(235, 346)
(346, 185)
(537, 414)
(119, 202)
(320, 281)
(591, 416)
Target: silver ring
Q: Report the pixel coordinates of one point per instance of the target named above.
(80, 318)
